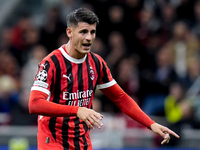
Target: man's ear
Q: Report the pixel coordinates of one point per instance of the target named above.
(69, 32)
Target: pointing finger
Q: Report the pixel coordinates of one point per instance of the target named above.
(173, 133)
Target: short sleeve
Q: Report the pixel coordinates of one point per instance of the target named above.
(105, 78)
(43, 78)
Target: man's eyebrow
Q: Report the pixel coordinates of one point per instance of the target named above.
(93, 31)
(84, 30)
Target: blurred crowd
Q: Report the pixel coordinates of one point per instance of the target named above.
(152, 48)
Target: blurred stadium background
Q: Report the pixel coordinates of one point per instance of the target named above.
(151, 46)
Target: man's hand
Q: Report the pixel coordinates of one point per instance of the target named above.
(90, 117)
(163, 131)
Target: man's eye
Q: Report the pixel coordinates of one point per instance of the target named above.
(93, 32)
(84, 31)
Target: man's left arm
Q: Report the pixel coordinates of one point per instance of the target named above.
(124, 102)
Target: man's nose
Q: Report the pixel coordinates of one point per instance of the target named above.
(89, 37)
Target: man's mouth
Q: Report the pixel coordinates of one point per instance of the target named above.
(86, 44)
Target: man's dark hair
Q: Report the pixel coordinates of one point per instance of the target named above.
(81, 15)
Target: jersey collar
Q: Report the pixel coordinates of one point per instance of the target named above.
(74, 60)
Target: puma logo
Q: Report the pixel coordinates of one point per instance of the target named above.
(44, 65)
(68, 77)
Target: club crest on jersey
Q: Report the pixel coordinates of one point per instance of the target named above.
(92, 75)
(42, 75)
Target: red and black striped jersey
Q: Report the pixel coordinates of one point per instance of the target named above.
(70, 81)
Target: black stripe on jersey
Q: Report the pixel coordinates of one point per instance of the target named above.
(84, 139)
(52, 121)
(52, 124)
(76, 133)
(65, 128)
(52, 81)
(90, 81)
(58, 79)
(77, 121)
(69, 71)
(97, 63)
(105, 75)
(90, 87)
(46, 66)
(65, 125)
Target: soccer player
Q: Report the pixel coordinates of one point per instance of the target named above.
(64, 87)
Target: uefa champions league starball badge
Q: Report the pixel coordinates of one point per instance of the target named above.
(42, 75)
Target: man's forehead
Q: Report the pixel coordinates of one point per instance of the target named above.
(84, 25)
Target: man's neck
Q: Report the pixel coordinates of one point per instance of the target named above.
(72, 52)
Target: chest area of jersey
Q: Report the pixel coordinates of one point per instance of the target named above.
(78, 81)
(78, 84)
(78, 76)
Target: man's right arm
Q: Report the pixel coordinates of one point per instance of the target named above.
(39, 105)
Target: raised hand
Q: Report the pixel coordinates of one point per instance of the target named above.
(90, 117)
